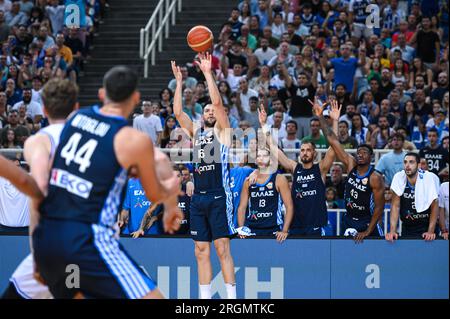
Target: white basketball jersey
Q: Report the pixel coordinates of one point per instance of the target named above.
(22, 278)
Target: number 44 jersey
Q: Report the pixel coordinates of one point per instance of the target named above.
(86, 180)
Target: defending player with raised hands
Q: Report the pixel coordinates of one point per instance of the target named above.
(308, 183)
(265, 199)
(211, 213)
(364, 188)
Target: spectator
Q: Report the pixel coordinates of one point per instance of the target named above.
(277, 106)
(408, 116)
(74, 43)
(358, 131)
(368, 107)
(403, 29)
(423, 109)
(4, 28)
(190, 106)
(13, 94)
(427, 43)
(301, 110)
(14, 207)
(316, 137)
(278, 128)
(244, 93)
(336, 180)
(385, 110)
(5, 5)
(14, 17)
(21, 132)
(330, 195)
(392, 162)
(418, 68)
(169, 125)
(435, 155)
(278, 26)
(251, 40)
(251, 116)
(442, 88)
(264, 53)
(165, 100)
(358, 17)
(300, 26)
(46, 38)
(291, 141)
(267, 34)
(347, 141)
(225, 92)
(188, 82)
(34, 110)
(234, 77)
(350, 110)
(245, 13)
(345, 67)
(263, 13)
(262, 82)
(55, 12)
(386, 85)
(148, 122)
(407, 51)
(381, 134)
(200, 95)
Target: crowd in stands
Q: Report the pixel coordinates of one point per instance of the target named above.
(35, 47)
(388, 71)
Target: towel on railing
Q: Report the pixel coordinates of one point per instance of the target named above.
(426, 188)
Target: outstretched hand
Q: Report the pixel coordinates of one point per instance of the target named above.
(205, 62)
(317, 108)
(262, 115)
(335, 111)
(176, 71)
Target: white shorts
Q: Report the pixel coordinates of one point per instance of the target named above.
(26, 285)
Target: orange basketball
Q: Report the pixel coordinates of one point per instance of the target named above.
(200, 38)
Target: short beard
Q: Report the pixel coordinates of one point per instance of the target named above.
(307, 161)
(412, 174)
(208, 124)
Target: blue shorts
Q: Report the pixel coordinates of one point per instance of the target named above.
(307, 231)
(414, 231)
(360, 224)
(211, 216)
(105, 269)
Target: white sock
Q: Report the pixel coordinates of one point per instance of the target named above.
(231, 291)
(205, 291)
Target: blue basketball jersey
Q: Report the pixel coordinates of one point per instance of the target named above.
(238, 176)
(136, 203)
(86, 181)
(308, 196)
(358, 195)
(359, 10)
(265, 205)
(211, 168)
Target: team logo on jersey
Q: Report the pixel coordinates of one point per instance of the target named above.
(364, 181)
(73, 184)
(301, 194)
(254, 215)
(205, 168)
(270, 185)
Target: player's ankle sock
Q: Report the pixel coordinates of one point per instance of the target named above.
(231, 291)
(205, 291)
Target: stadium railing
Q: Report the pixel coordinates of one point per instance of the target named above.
(165, 10)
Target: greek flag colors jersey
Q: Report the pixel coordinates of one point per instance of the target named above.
(308, 194)
(358, 195)
(265, 205)
(86, 181)
(238, 176)
(413, 223)
(211, 213)
(211, 167)
(358, 7)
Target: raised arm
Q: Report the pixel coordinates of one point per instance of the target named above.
(287, 163)
(181, 117)
(330, 155)
(332, 139)
(221, 117)
(395, 213)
